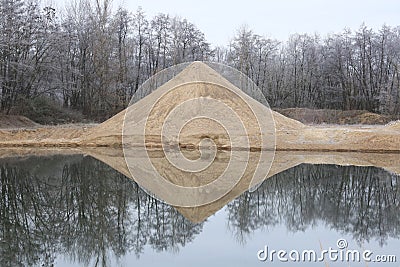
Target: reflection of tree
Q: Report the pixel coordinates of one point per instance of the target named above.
(81, 208)
(363, 201)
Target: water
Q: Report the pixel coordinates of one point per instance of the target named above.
(77, 211)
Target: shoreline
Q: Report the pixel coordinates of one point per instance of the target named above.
(320, 138)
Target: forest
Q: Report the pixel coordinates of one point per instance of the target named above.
(88, 60)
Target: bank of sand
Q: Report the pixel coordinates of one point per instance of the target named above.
(288, 133)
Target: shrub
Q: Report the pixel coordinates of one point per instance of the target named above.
(46, 111)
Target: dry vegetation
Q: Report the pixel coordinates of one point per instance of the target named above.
(14, 121)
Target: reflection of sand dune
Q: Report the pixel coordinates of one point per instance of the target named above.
(283, 161)
(286, 160)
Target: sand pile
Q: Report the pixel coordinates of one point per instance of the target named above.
(150, 112)
(331, 116)
(290, 134)
(14, 121)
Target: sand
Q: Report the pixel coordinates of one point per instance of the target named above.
(51, 136)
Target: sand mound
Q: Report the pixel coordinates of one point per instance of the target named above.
(290, 134)
(199, 72)
(14, 121)
(331, 116)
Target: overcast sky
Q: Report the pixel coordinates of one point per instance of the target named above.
(219, 19)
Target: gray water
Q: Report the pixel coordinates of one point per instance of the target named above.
(78, 211)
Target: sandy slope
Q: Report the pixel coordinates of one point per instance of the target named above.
(14, 121)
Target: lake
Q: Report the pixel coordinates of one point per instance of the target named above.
(69, 209)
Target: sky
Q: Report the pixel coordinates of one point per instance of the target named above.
(277, 19)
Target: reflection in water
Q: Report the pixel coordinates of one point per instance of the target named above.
(361, 201)
(81, 208)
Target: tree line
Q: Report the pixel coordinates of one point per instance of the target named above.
(92, 59)
(88, 58)
(345, 71)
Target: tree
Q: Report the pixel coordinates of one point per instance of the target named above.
(27, 43)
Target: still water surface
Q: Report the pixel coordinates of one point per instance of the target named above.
(78, 211)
